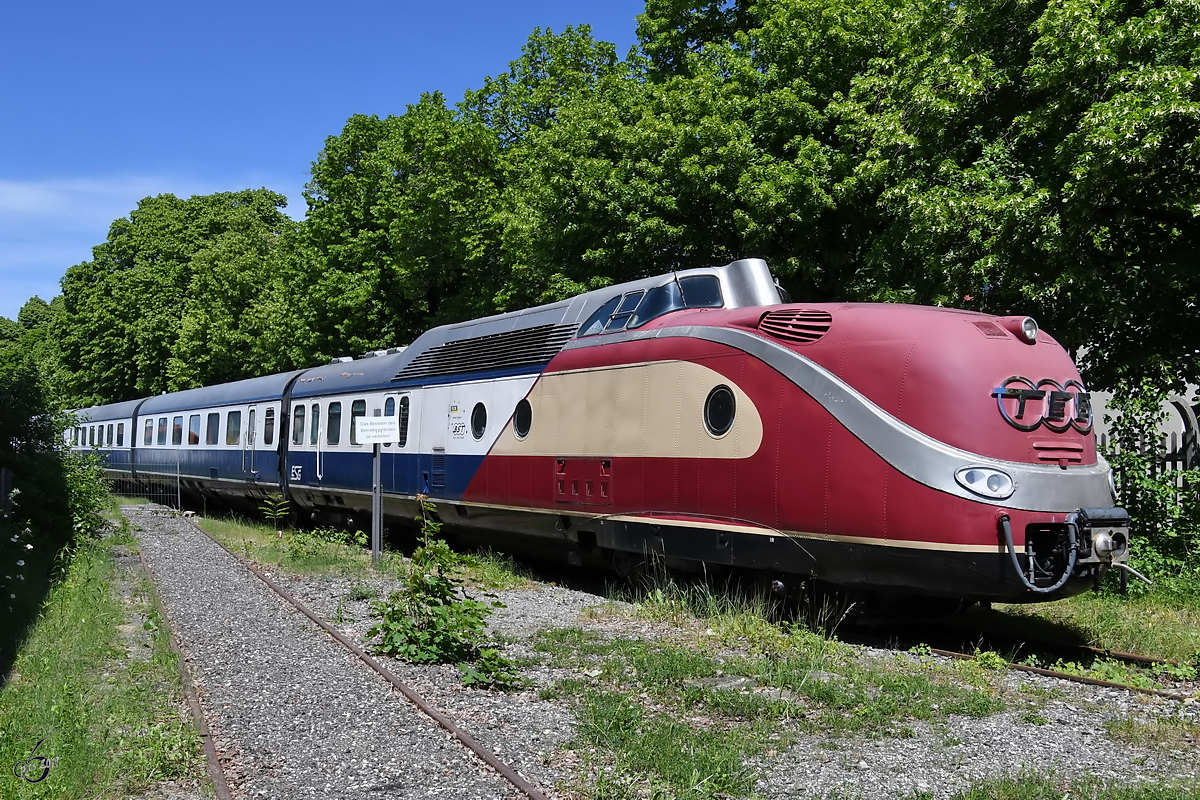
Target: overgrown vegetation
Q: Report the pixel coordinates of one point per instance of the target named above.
(1044, 787)
(1163, 504)
(431, 619)
(682, 716)
(56, 499)
(112, 723)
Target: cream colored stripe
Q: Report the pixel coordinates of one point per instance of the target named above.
(649, 410)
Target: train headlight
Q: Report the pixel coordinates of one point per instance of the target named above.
(985, 482)
(1024, 328)
(1029, 329)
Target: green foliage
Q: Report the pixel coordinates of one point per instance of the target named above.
(991, 660)
(275, 509)
(167, 301)
(681, 718)
(112, 722)
(308, 548)
(1017, 157)
(1164, 514)
(57, 499)
(432, 620)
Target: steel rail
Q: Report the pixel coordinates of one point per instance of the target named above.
(212, 761)
(1050, 673)
(485, 755)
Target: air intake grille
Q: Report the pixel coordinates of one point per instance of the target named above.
(796, 325)
(521, 348)
(990, 329)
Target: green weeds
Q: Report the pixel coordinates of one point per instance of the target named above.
(1040, 787)
(678, 717)
(431, 619)
(317, 551)
(111, 723)
(1165, 733)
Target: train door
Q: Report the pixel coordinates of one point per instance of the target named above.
(404, 450)
(249, 442)
(316, 435)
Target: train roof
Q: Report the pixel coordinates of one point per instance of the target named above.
(514, 343)
(111, 411)
(251, 390)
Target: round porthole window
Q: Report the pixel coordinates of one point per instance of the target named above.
(478, 420)
(522, 419)
(719, 410)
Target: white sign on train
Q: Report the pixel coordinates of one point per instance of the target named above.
(377, 429)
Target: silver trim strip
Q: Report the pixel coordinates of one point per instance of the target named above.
(1039, 487)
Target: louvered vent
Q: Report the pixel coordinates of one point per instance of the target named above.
(521, 348)
(796, 325)
(990, 329)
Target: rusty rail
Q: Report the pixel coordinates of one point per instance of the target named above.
(485, 755)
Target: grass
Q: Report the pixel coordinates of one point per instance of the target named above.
(1041, 787)
(297, 551)
(1172, 734)
(1164, 623)
(332, 551)
(675, 718)
(112, 725)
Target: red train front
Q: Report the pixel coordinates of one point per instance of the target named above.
(905, 449)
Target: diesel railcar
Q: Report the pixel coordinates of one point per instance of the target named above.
(697, 415)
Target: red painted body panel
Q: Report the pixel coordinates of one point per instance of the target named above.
(810, 474)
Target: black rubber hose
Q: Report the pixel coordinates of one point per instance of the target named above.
(1012, 554)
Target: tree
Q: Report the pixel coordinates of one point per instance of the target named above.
(1041, 158)
(170, 261)
(401, 231)
(716, 144)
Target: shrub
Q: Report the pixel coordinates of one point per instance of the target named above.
(432, 620)
(1163, 505)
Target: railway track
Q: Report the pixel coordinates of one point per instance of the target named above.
(217, 773)
(939, 639)
(465, 739)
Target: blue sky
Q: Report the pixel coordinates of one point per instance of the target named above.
(106, 103)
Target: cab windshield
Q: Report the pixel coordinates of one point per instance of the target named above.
(639, 307)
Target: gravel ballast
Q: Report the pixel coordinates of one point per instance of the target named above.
(293, 714)
(242, 642)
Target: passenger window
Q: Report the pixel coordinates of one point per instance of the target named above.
(120, 434)
(478, 420)
(269, 427)
(109, 435)
(177, 431)
(389, 410)
(298, 425)
(212, 429)
(333, 423)
(403, 420)
(233, 427)
(148, 437)
(315, 426)
(91, 436)
(194, 429)
(162, 430)
(250, 431)
(357, 409)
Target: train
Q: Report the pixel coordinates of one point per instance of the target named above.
(697, 416)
